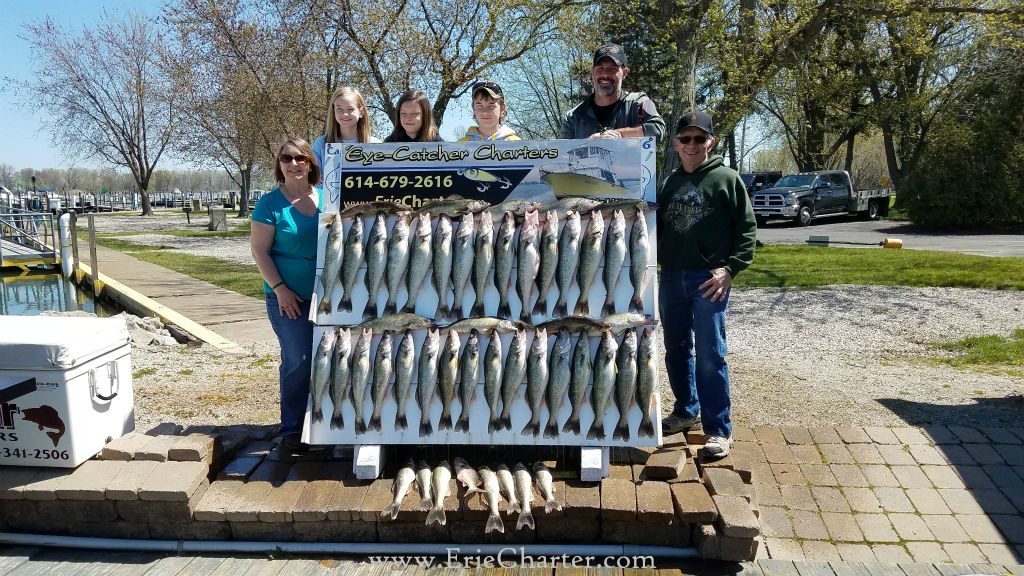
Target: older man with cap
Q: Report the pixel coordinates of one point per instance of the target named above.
(610, 112)
(706, 236)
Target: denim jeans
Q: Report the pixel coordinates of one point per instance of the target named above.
(695, 325)
(296, 340)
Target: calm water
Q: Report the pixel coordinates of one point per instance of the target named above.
(30, 294)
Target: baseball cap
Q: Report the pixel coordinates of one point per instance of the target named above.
(612, 51)
(490, 88)
(696, 119)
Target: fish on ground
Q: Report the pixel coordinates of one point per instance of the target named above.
(360, 373)
(577, 204)
(426, 378)
(568, 260)
(508, 488)
(404, 365)
(404, 479)
(442, 269)
(383, 365)
(488, 325)
(453, 206)
(492, 382)
(447, 372)
(504, 253)
(614, 256)
(468, 370)
(466, 475)
(559, 374)
(462, 261)
(604, 383)
(524, 493)
(351, 263)
(545, 485)
(591, 249)
(386, 207)
(512, 377)
(618, 323)
(442, 476)
(419, 260)
(376, 260)
(483, 258)
(401, 322)
(548, 262)
(646, 381)
(322, 372)
(334, 251)
(492, 496)
(515, 207)
(639, 259)
(397, 262)
(340, 374)
(424, 479)
(529, 262)
(582, 372)
(575, 324)
(536, 380)
(625, 383)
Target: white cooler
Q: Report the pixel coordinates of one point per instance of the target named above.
(82, 396)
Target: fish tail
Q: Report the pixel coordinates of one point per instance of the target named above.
(463, 424)
(646, 427)
(514, 507)
(504, 311)
(608, 309)
(525, 519)
(524, 314)
(436, 515)
(621, 431)
(401, 422)
(561, 309)
(541, 306)
(360, 426)
(636, 303)
(390, 308)
(493, 425)
(551, 431)
(572, 425)
(494, 523)
(318, 415)
(596, 431)
(410, 306)
(426, 429)
(532, 428)
(374, 423)
(426, 503)
(552, 506)
(391, 510)
(325, 304)
(478, 308)
(346, 304)
(506, 423)
(445, 423)
(337, 423)
(581, 304)
(370, 310)
(442, 312)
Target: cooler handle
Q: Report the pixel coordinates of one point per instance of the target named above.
(114, 382)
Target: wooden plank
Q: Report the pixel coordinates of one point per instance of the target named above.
(234, 567)
(778, 568)
(953, 569)
(985, 568)
(46, 562)
(750, 569)
(168, 566)
(880, 569)
(12, 556)
(122, 563)
(201, 566)
(850, 568)
(918, 569)
(267, 567)
(813, 568)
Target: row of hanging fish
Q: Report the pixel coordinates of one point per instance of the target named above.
(482, 248)
(622, 370)
(515, 486)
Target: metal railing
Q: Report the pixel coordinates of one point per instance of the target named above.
(35, 231)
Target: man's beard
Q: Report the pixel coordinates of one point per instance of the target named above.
(609, 90)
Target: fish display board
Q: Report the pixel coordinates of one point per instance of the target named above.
(602, 188)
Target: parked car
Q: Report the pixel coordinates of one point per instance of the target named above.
(808, 195)
(760, 180)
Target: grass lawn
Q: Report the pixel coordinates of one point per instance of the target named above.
(997, 354)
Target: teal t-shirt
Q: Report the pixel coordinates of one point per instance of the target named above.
(294, 247)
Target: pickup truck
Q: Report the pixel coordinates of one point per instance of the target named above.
(760, 180)
(808, 195)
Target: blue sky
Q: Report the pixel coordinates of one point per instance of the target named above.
(23, 142)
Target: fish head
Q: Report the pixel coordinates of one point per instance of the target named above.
(596, 223)
(486, 222)
(540, 335)
(460, 463)
(327, 341)
(364, 339)
(444, 226)
(473, 344)
(519, 467)
(618, 224)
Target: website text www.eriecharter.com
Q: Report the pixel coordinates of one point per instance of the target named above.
(511, 557)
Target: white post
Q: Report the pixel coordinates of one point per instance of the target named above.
(67, 259)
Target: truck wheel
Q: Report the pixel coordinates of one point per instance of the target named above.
(804, 216)
(761, 221)
(872, 212)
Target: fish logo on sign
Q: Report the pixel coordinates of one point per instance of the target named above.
(46, 417)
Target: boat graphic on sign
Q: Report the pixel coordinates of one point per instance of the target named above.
(588, 172)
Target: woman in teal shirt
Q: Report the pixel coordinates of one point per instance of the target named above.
(283, 241)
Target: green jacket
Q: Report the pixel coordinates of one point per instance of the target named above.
(705, 220)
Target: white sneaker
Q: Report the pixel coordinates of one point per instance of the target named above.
(717, 446)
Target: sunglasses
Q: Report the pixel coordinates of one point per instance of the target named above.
(287, 159)
(489, 85)
(684, 140)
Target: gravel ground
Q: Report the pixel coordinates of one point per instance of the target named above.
(841, 355)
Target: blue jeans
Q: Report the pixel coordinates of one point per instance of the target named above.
(296, 340)
(695, 325)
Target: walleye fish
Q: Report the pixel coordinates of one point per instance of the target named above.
(492, 382)
(351, 263)
(398, 260)
(622, 321)
(376, 260)
(614, 256)
(568, 260)
(515, 369)
(492, 496)
(404, 363)
(334, 252)
(626, 205)
(404, 478)
(482, 260)
(625, 383)
(360, 372)
(639, 258)
(529, 262)
(466, 475)
(488, 325)
(590, 257)
(536, 380)
(386, 207)
(468, 369)
(382, 368)
(545, 485)
(419, 260)
(578, 204)
(341, 374)
(646, 381)
(442, 476)
(447, 371)
(452, 206)
(426, 379)
(604, 383)
(503, 256)
(559, 374)
(515, 207)
(401, 322)
(548, 262)
(424, 479)
(524, 492)
(508, 488)
(575, 324)
(462, 261)
(442, 265)
(321, 372)
(582, 372)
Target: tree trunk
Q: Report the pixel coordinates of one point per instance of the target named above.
(243, 203)
(848, 164)
(147, 208)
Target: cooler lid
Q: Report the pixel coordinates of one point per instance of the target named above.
(57, 342)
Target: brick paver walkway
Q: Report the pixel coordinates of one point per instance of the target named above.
(866, 494)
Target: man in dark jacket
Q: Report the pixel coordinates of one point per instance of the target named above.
(706, 235)
(610, 112)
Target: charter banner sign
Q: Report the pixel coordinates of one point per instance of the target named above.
(539, 170)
